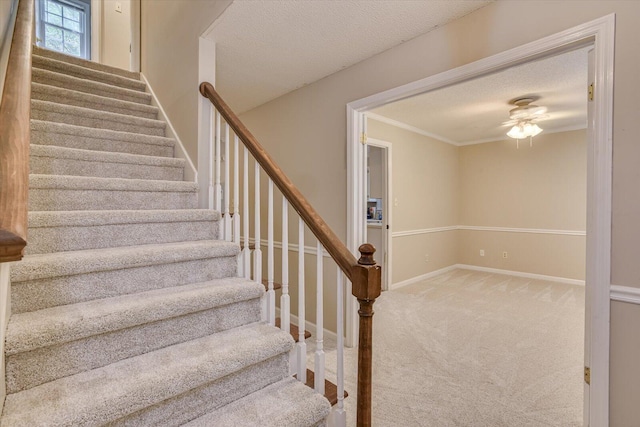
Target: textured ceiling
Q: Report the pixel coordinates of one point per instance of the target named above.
(474, 111)
(267, 48)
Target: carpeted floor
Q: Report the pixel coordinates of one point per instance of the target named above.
(475, 349)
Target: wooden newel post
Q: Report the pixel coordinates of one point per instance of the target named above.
(367, 286)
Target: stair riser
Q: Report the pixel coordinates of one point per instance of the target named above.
(26, 370)
(92, 88)
(93, 104)
(86, 73)
(197, 402)
(53, 199)
(96, 122)
(58, 166)
(34, 295)
(75, 238)
(84, 63)
(98, 144)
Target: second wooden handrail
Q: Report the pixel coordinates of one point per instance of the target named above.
(15, 110)
(338, 251)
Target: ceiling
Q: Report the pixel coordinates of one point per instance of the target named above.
(474, 111)
(267, 48)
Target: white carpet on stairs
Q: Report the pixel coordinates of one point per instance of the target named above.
(474, 349)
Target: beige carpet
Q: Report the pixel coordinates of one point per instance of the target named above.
(475, 349)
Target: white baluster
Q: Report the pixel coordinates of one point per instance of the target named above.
(211, 162)
(271, 294)
(257, 252)
(319, 356)
(339, 413)
(246, 252)
(285, 303)
(302, 345)
(227, 193)
(217, 185)
(236, 200)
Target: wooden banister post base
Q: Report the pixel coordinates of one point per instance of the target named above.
(367, 286)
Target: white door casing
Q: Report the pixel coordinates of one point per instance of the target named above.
(599, 33)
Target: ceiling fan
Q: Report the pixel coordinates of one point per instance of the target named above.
(525, 111)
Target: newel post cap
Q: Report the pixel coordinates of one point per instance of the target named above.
(367, 275)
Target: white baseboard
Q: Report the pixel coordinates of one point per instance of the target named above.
(625, 294)
(521, 274)
(421, 277)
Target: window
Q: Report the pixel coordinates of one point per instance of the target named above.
(65, 26)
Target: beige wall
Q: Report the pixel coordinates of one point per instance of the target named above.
(170, 30)
(115, 36)
(540, 187)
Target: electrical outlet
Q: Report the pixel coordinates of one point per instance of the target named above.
(505, 255)
(481, 252)
(426, 257)
(395, 202)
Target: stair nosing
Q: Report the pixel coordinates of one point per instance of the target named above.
(86, 261)
(96, 156)
(70, 182)
(52, 219)
(48, 53)
(109, 116)
(108, 134)
(51, 326)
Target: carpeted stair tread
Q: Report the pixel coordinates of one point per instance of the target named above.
(43, 92)
(57, 264)
(40, 51)
(87, 117)
(64, 67)
(56, 325)
(53, 160)
(53, 78)
(58, 231)
(40, 219)
(66, 135)
(285, 403)
(110, 184)
(106, 394)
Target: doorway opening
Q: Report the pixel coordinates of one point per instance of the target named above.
(599, 34)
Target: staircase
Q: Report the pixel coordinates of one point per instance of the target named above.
(126, 309)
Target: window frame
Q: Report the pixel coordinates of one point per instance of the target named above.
(84, 6)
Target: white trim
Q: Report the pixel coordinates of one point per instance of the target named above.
(524, 230)
(625, 294)
(206, 148)
(134, 50)
(423, 231)
(405, 126)
(421, 277)
(521, 274)
(481, 228)
(190, 172)
(96, 30)
(601, 33)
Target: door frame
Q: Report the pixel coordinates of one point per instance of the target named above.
(387, 215)
(601, 34)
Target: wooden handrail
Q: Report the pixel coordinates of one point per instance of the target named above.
(338, 251)
(364, 274)
(15, 110)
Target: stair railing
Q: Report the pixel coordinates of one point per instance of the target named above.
(363, 273)
(15, 111)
